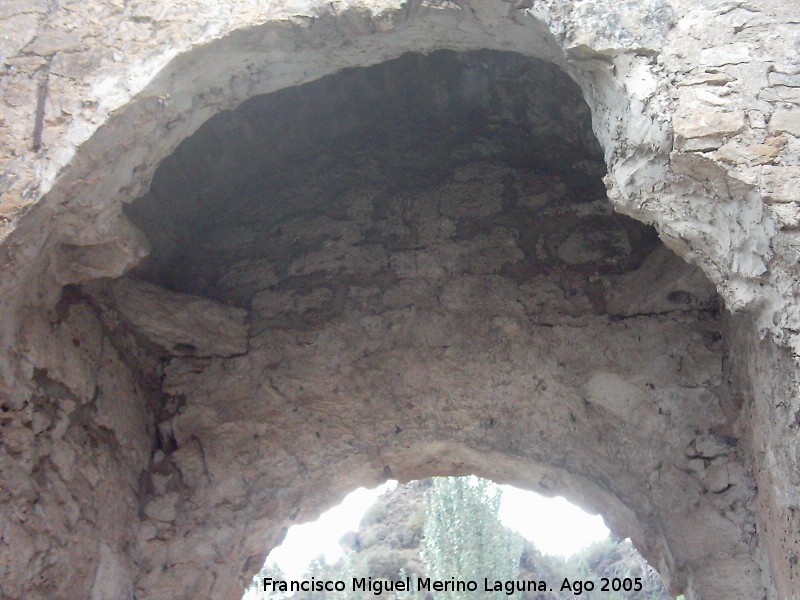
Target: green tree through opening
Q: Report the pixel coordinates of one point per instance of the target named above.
(463, 535)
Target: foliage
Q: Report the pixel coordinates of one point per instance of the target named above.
(612, 558)
(411, 594)
(274, 572)
(463, 536)
(375, 512)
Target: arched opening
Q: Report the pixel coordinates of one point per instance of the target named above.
(415, 537)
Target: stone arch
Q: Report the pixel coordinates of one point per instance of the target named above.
(144, 115)
(362, 304)
(254, 60)
(78, 232)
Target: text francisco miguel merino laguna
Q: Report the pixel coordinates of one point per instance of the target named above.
(424, 584)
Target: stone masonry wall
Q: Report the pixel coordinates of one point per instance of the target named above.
(130, 411)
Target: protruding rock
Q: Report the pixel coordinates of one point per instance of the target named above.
(180, 323)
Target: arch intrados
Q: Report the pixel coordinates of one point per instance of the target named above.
(197, 84)
(116, 164)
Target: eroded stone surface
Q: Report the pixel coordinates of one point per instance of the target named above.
(484, 319)
(181, 324)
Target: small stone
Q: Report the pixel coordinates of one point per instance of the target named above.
(160, 482)
(786, 120)
(780, 184)
(755, 154)
(706, 130)
(756, 119)
(61, 427)
(63, 457)
(728, 54)
(784, 79)
(711, 447)
(147, 531)
(787, 214)
(41, 421)
(51, 41)
(10, 8)
(710, 98)
(75, 64)
(162, 508)
(716, 477)
(17, 439)
(696, 465)
(781, 93)
(92, 474)
(716, 79)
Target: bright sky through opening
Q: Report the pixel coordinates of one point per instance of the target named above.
(553, 525)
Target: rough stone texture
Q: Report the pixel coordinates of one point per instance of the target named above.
(479, 314)
(181, 324)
